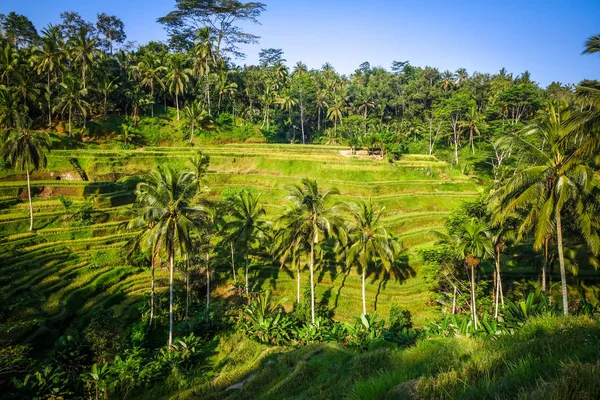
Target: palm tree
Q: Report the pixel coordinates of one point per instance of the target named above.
(150, 72)
(145, 242)
(290, 240)
(106, 86)
(370, 240)
(245, 223)
(556, 176)
(9, 63)
(334, 112)
(9, 109)
(26, 151)
(82, 49)
(592, 45)
(318, 221)
(474, 120)
(47, 59)
(472, 242)
(287, 103)
(177, 78)
(165, 198)
(195, 116)
(447, 80)
(71, 98)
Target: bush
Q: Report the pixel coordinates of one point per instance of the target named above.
(400, 318)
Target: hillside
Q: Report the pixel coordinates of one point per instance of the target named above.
(69, 266)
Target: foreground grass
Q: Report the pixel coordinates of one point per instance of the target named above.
(549, 358)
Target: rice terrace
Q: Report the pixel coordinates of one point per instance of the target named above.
(178, 222)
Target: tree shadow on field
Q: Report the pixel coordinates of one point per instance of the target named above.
(400, 271)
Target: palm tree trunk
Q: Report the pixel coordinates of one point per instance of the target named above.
(498, 280)
(49, 103)
(364, 299)
(187, 290)
(233, 263)
(70, 110)
(561, 261)
(207, 280)
(302, 125)
(171, 268)
(298, 275)
(29, 196)
(151, 291)
(454, 300)
(545, 265)
(312, 282)
(192, 134)
(177, 105)
(246, 271)
(473, 305)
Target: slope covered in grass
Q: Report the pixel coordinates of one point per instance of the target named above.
(549, 358)
(65, 268)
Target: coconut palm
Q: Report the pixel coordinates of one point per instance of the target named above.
(178, 77)
(245, 223)
(47, 59)
(26, 151)
(83, 51)
(290, 240)
(144, 241)
(195, 116)
(71, 98)
(592, 45)
(165, 198)
(472, 242)
(9, 63)
(9, 109)
(150, 72)
(556, 176)
(473, 122)
(318, 220)
(370, 241)
(334, 112)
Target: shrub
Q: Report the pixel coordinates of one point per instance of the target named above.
(400, 318)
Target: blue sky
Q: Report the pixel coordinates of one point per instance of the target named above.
(544, 37)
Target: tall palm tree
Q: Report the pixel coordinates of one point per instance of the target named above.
(26, 151)
(195, 117)
(473, 122)
(178, 77)
(145, 241)
(9, 63)
(556, 175)
(71, 98)
(290, 240)
(472, 242)
(10, 111)
(370, 241)
(318, 221)
(48, 59)
(165, 197)
(150, 72)
(245, 223)
(334, 112)
(83, 51)
(447, 80)
(106, 86)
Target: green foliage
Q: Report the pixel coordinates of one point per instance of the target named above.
(399, 318)
(105, 336)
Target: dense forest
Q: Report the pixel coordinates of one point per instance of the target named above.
(153, 135)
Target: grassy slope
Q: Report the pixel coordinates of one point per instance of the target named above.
(62, 271)
(550, 358)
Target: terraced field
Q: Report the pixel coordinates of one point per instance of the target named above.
(66, 267)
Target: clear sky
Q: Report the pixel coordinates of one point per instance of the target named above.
(543, 36)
